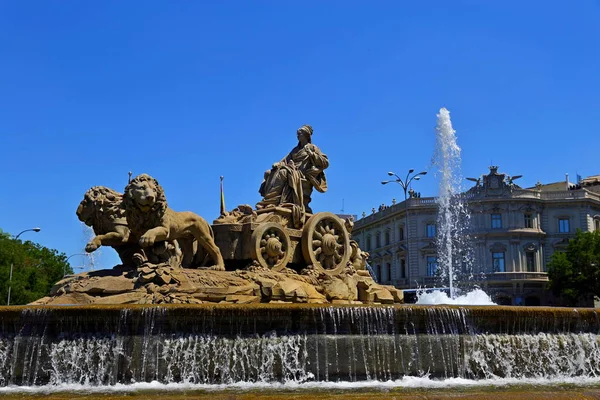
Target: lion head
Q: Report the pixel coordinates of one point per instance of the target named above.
(145, 203)
(99, 206)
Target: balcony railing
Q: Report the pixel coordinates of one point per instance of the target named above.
(425, 201)
(510, 276)
(570, 194)
(432, 281)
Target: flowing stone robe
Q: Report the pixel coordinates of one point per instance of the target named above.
(290, 182)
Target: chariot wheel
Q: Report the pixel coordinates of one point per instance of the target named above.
(271, 246)
(326, 243)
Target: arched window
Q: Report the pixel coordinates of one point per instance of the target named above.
(530, 257)
(530, 261)
(498, 251)
(387, 237)
(498, 261)
(401, 233)
(528, 220)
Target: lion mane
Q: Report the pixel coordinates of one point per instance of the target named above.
(138, 221)
(101, 208)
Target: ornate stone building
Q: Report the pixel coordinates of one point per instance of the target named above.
(513, 233)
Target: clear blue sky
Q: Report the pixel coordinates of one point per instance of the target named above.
(190, 90)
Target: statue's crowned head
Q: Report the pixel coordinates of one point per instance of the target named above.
(307, 131)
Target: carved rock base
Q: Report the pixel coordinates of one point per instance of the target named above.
(163, 284)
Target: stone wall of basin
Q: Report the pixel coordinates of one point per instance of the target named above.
(106, 345)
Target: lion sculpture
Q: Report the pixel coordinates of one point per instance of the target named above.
(103, 210)
(151, 220)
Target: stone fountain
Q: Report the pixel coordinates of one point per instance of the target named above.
(274, 294)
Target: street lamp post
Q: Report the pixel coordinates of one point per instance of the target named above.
(12, 264)
(67, 261)
(405, 184)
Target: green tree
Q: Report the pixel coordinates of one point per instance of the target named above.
(575, 274)
(35, 269)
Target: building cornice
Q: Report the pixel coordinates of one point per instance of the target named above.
(517, 195)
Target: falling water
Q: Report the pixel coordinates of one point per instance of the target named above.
(452, 240)
(92, 258)
(95, 347)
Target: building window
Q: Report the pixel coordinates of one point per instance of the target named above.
(387, 237)
(389, 272)
(401, 233)
(431, 265)
(369, 243)
(496, 221)
(403, 268)
(563, 225)
(528, 220)
(530, 261)
(430, 230)
(597, 224)
(378, 240)
(498, 261)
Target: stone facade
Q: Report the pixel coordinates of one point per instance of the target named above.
(514, 232)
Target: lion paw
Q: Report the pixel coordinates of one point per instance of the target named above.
(146, 241)
(91, 246)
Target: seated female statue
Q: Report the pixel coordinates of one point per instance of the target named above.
(290, 182)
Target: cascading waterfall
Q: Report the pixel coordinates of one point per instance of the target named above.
(92, 258)
(454, 250)
(97, 347)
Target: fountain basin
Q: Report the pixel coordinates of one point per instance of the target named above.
(283, 343)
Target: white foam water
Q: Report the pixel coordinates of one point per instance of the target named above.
(408, 382)
(475, 297)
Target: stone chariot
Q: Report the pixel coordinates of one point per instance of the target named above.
(283, 231)
(323, 242)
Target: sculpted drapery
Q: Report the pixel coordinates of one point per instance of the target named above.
(290, 182)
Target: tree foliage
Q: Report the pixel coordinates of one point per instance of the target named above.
(575, 274)
(35, 269)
